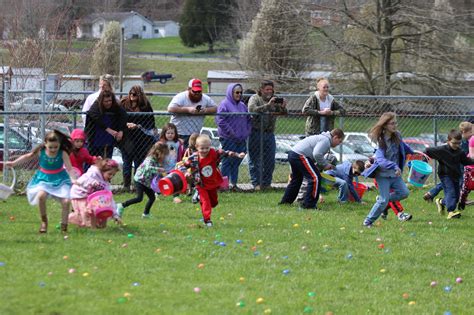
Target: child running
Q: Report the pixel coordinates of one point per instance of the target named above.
(388, 165)
(187, 153)
(450, 158)
(152, 166)
(80, 155)
(96, 178)
(169, 136)
(206, 172)
(53, 178)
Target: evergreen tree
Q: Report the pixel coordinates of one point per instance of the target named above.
(206, 22)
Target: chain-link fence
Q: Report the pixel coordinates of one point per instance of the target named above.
(423, 121)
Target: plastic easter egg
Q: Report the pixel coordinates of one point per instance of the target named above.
(260, 300)
(130, 235)
(197, 290)
(286, 271)
(458, 280)
(433, 284)
(311, 294)
(447, 289)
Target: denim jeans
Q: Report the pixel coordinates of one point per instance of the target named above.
(435, 190)
(129, 159)
(230, 165)
(261, 163)
(343, 188)
(399, 192)
(451, 192)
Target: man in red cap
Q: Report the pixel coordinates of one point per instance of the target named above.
(188, 109)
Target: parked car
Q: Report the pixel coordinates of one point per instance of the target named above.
(281, 153)
(360, 147)
(418, 143)
(18, 144)
(213, 134)
(358, 137)
(347, 154)
(442, 138)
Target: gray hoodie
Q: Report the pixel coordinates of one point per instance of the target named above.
(315, 147)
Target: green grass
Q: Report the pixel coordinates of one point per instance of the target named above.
(327, 253)
(167, 45)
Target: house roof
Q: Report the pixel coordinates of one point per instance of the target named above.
(111, 16)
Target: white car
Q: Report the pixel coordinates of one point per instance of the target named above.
(347, 154)
(34, 104)
(350, 136)
(213, 134)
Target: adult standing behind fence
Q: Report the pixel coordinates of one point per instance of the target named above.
(262, 162)
(322, 109)
(105, 125)
(106, 83)
(233, 131)
(141, 129)
(188, 109)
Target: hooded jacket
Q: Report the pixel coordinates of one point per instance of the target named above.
(233, 127)
(312, 107)
(89, 182)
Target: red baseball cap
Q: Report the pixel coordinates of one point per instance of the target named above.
(195, 85)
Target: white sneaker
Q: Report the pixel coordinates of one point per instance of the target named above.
(402, 216)
(120, 210)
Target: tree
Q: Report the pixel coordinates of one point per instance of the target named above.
(206, 22)
(399, 46)
(106, 56)
(279, 43)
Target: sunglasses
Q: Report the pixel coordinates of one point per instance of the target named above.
(238, 92)
(133, 94)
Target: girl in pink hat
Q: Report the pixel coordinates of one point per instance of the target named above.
(79, 154)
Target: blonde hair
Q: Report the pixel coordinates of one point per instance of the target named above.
(465, 126)
(159, 150)
(192, 141)
(203, 139)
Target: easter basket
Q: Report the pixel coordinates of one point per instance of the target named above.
(6, 191)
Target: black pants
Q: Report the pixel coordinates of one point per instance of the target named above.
(140, 189)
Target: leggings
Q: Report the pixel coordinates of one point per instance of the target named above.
(140, 189)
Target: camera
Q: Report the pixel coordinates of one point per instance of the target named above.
(278, 100)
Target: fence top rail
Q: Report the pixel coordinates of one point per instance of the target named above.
(279, 94)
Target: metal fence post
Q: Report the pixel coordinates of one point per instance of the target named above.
(435, 131)
(43, 108)
(6, 108)
(260, 171)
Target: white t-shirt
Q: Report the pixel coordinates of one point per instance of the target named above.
(187, 124)
(325, 104)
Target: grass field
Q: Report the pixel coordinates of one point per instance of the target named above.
(258, 258)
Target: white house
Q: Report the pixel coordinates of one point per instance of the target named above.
(134, 24)
(165, 29)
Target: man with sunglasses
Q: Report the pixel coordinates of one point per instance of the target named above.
(188, 109)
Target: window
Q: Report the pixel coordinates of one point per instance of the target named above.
(157, 31)
(101, 28)
(144, 28)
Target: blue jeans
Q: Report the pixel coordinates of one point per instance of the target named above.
(261, 163)
(436, 190)
(451, 192)
(399, 192)
(230, 165)
(343, 189)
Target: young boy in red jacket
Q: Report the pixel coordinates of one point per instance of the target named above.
(204, 166)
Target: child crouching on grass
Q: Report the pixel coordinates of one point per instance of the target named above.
(96, 178)
(450, 158)
(206, 172)
(344, 174)
(152, 166)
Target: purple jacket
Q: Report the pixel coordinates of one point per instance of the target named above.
(233, 127)
(382, 162)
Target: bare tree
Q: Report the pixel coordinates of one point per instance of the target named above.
(279, 43)
(398, 46)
